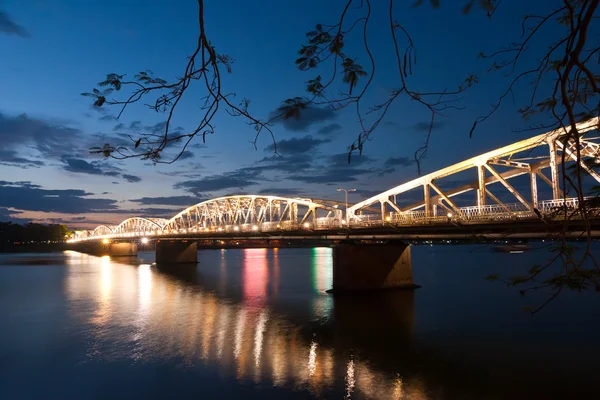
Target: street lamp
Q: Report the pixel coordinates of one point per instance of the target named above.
(346, 191)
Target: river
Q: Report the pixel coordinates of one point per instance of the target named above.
(257, 323)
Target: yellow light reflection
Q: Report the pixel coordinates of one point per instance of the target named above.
(103, 312)
(145, 287)
(397, 388)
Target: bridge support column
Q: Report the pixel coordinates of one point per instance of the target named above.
(362, 267)
(119, 249)
(175, 252)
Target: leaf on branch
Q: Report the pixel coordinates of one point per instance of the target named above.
(292, 107)
(337, 44)
(487, 5)
(315, 86)
(492, 277)
(106, 150)
(352, 71)
(137, 143)
(113, 80)
(226, 60)
(546, 105)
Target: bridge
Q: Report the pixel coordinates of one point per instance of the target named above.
(445, 204)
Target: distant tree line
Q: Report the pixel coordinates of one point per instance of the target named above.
(12, 234)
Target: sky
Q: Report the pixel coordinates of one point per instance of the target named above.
(53, 50)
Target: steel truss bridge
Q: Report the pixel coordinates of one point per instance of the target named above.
(437, 208)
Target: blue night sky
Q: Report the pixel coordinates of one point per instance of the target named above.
(52, 50)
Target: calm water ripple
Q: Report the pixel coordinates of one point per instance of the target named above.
(257, 323)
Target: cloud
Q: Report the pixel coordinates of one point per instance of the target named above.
(12, 216)
(284, 192)
(398, 161)
(287, 163)
(29, 197)
(9, 27)
(389, 166)
(306, 117)
(331, 177)
(11, 158)
(238, 179)
(183, 201)
(79, 166)
(336, 170)
(131, 178)
(423, 126)
(365, 193)
(341, 160)
(329, 129)
(107, 117)
(47, 138)
(186, 155)
(297, 145)
(119, 127)
(135, 125)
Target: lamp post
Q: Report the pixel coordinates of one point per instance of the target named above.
(346, 192)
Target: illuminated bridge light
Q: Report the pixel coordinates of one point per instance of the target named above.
(254, 228)
(236, 228)
(220, 229)
(145, 240)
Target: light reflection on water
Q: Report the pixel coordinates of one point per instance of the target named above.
(167, 319)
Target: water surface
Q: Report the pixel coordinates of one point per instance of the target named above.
(257, 323)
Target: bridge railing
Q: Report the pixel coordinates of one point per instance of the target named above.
(473, 214)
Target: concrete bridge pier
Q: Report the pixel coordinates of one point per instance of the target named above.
(119, 249)
(366, 266)
(115, 249)
(176, 252)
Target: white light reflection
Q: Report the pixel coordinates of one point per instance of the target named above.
(239, 333)
(258, 337)
(312, 358)
(223, 325)
(350, 381)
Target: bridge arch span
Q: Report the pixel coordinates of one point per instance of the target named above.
(140, 225)
(103, 230)
(251, 210)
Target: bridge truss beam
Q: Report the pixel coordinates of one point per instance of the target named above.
(506, 157)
